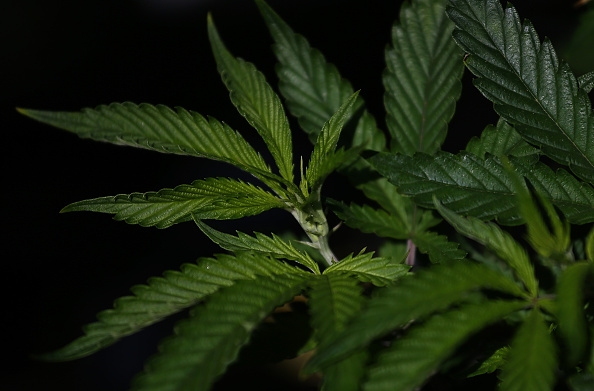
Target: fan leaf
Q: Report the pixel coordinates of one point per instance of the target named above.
(497, 240)
(469, 185)
(214, 198)
(261, 243)
(160, 129)
(422, 79)
(528, 85)
(415, 297)
(325, 146)
(417, 355)
(335, 298)
(164, 296)
(206, 343)
(570, 310)
(256, 101)
(532, 359)
(313, 88)
(502, 140)
(365, 268)
(438, 247)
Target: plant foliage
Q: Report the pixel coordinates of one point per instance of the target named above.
(389, 321)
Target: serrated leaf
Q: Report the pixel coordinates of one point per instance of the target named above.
(502, 140)
(206, 343)
(429, 290)
(586, 81)
(261, 243)
(160, 129)
(469, 185)
(335, 298)
(422, 79)
(532, 360)
(313, 88)
(570, 310)
(214, 198)
(498, 241)
(528, 85)
(256, 101)
(417, 355)
(493, 363)
(164, 296)
(551, 239)
(370, 220)
(438, 247)
(326, 144)
(366, 268)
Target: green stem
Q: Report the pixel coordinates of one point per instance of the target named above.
(312, 219)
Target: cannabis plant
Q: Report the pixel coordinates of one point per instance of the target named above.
(508, 291)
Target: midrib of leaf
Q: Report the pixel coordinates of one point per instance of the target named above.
(479, 187)
(164, 296)
(422, 79)
(417, 355)
(536, 68)
(256, 101)
(261, 243)
(532, 359)
(220, 198)
(206, 343)
(428, 291)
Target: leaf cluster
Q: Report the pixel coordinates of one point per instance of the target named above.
(389, 321)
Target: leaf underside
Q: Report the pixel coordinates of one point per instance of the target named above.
(413, 358)
(413, 298)
(206, 343)
(532, 359)
(164, 296)
(212, 198)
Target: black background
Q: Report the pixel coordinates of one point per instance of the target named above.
(60, 270)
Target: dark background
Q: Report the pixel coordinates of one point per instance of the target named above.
(60, 270)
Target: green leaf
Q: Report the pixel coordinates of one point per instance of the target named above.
(429, 290)
(213, 198)
(206, 343)
(313, 88)
(326, 145)
(498, 241)
(422, 79)
(438, 247)
(502, 140)
(256, 101)
(366, 268)
(493, 363)
(528, 85)
(164, 296)
(261, 243)
(482, 188)
(570, 310)
(370, 220)
(586, 81)
(551, 239)
(335, 298)
(532, 360)
(161, 129)
(417, 355)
